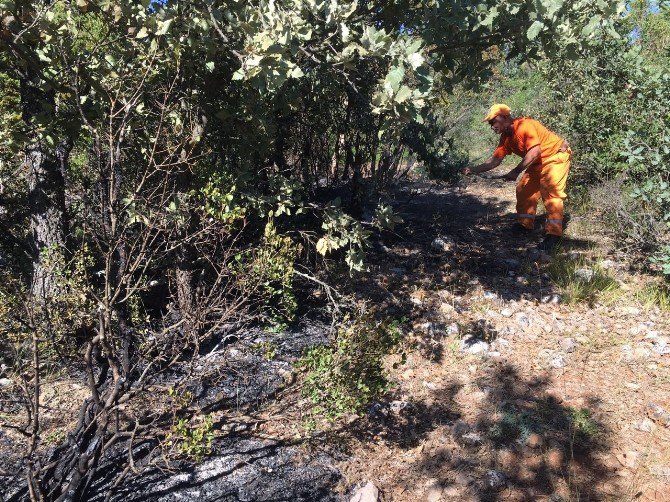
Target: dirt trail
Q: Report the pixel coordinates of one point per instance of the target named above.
(509, 393)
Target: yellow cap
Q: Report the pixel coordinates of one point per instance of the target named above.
(497, 109)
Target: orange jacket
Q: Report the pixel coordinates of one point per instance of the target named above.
(527, 133)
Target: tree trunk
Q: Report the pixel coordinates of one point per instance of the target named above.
(46, 195)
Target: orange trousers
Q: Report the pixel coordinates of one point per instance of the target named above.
(546, 180)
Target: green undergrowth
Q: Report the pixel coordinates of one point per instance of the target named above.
(344, 376)
(580, 281)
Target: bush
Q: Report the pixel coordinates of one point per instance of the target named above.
(343, 377)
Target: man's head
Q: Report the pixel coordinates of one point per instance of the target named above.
(499, 118)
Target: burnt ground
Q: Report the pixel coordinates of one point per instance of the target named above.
(512, 389)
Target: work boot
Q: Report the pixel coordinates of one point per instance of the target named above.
(518, 230)
(549, 243)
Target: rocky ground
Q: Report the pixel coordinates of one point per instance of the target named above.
(527, 380)
(528, 377)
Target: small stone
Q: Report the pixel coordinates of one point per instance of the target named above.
(5, 382)
(506, 312)
(471, 438)
(608, 264)
(434, 492)
(522, 320)
(661, 471)
(632, 311)
(557, 362)
(397, 406)
(453, 329)
(552, 299)
(627, 352)
(646, 425)
(495, 480)
(430, 385)
(490, 295)
(661, 346)
(474, 347)
(547, 328)
(568, 345)
(658, 414)
(585, 274)
(369, 493)
(442, 244)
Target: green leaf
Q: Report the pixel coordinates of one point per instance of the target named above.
(402, 95)
(393, 78)
(534, 30)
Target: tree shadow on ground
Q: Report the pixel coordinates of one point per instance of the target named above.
(518, 443)
(479, 250)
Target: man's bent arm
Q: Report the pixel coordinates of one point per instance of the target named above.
(531, 157)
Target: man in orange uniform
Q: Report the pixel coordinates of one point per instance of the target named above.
(545, 165)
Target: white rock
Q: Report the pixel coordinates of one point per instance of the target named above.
(490, 295)
(568, 345)
(397, 406)
(646, 425)
(507, 312)
(608, 264)
(585, 274)
(453, 329)
(661, 346)
(495, 480)
(522, 320)
(474, 347)
(5, 382)
(369, 493)
(557, 362)
(553, 298)
(442, 244)
(434, 492)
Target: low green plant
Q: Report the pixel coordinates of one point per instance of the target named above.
(343, 377)
(654, 294)
(193, 442)
(578, 281)
(582, 423)
(268, 270)
(266, 348)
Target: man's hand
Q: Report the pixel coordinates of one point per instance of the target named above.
(511, 176)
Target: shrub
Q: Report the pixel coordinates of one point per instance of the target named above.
(343, 377)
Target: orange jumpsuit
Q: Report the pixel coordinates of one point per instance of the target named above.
(545, 178)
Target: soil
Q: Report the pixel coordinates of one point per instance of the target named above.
(509, 392)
